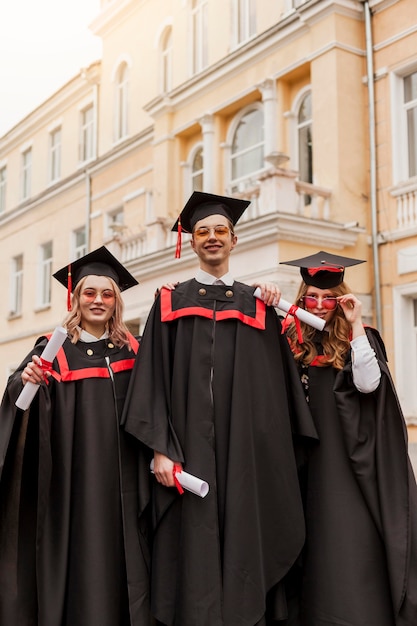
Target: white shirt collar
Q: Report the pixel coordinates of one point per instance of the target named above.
(208, 279)
(89, 338)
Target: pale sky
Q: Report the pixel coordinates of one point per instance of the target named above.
(43, 44)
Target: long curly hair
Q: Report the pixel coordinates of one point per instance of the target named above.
(335, 339)
(116, 328)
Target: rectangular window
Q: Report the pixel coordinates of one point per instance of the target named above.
(410, 104)
(45, 274)
(79, 243)
(16, 284)
(166, 63)
(55, 155)
(405, 347)
(245, 20)
(199, 35)
(3, 179)
(26, 173)
(87, 134)
(122, 88)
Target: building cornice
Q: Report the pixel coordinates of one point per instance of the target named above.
(377, 6)
(412, 30)
(94, 167)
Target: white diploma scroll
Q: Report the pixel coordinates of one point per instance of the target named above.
(49, 353)
(191, 483)
(302, 314)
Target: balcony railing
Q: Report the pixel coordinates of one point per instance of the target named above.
(276, 191)
(406, 197)
(313, 201)
(279, 190)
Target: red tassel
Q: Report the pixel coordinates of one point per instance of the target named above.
(69, 290)
(179, 240)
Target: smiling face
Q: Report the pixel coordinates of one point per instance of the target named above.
(213, 249)
(320, 302)
(97, 304)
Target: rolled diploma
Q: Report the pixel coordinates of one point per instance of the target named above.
(49, 353)
(302, 314)
(191, 483)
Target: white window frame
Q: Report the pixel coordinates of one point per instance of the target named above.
(3, 187)
(294, 126)
(79, 249)
(45, 274)
(399, 132)
(55, 149)
(405, 348)
(16, 285)
(196, 173)
(166, 60)
(87, 133)
(301, 126)
(121, 100)
(199, 35)
(26, 178)
(241, 182)
(243, 21)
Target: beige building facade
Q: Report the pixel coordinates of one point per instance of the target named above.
(263, 100)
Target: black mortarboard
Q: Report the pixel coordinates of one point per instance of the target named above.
(201, 205)
(323, 270)
(100, 262)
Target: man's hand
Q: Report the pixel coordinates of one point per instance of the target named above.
(270, 293)
(164, 469)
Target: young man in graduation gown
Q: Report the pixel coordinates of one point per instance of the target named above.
(72, 542)
(215, 392)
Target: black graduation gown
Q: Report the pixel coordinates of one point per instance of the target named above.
(72, 552)
(360, 559)
(215, 387)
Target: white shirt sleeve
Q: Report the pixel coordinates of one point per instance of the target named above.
(365, 368)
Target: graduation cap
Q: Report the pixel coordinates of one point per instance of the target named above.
(323, 270)
(201, 205)
(100, 262)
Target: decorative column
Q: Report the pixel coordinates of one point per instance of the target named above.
(269, 99)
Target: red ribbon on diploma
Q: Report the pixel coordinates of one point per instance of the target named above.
(46, 367)
(292, 311)
(177, 469)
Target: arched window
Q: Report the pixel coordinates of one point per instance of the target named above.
(121, 113)
(197, 170)
(305, 141)
(166, 61)
(247, 154)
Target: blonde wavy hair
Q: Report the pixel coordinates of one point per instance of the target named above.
(335, 339)
(116, 328)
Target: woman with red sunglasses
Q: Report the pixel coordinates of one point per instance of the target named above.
(359, 563)
(72, 541)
